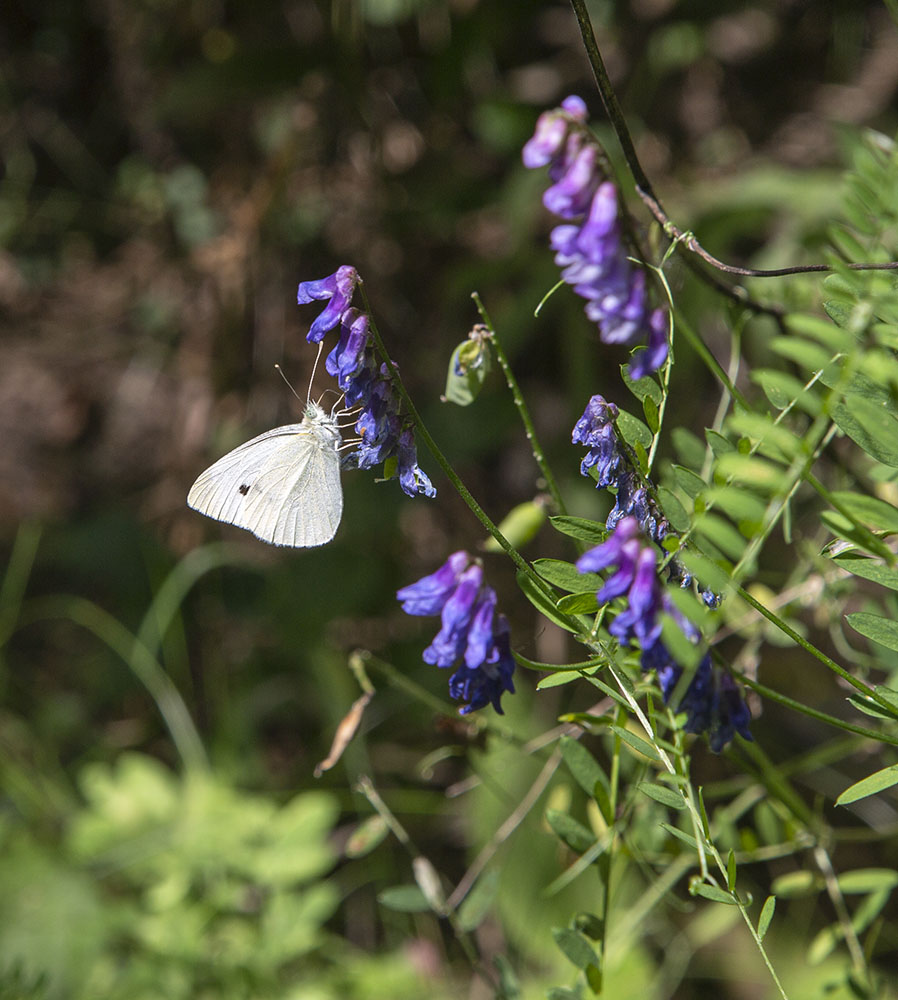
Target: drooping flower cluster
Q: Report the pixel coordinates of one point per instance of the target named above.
(589, 248)
(472, 631)
(365, 384)
(712, 702)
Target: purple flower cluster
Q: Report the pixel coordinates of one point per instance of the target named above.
(471, 631)
(365, 384)
(712, 702)
(589, 248)
(595, 429)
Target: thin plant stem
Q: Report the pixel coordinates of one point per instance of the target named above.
(644, 185)
(142, 663)
(523, 410)
(444, 464)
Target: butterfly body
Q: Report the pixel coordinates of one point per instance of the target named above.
(283, 486)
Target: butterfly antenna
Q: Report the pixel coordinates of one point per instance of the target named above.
(314, 369)
(289, 386)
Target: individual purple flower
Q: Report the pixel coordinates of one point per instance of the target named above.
(412, 479)
(590, 249)
(430, 593)
(366, 384)
(338, 289)
(712, 701)
(470, 630)
(595, 429)
(348, 356)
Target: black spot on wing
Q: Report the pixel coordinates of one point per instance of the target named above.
(244, 489)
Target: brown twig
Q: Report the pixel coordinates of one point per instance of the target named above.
(644, 185)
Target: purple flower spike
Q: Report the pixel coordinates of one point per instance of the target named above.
(365, 383)
(471, 630)
(338, 288)
(590, 251)
(713, 702)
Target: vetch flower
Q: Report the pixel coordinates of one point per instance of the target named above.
(589, 248)
(367, 386)
(338, 288)
(712, 702)
(471, 630)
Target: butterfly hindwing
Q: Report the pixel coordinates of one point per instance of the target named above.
(283, 486)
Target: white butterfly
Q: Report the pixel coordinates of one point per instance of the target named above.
(283, 486)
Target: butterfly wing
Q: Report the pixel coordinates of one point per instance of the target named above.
(283, 486)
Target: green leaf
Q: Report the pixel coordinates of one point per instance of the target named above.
(580, 528)
(752, 471)
(542, 602)
(824, 943)
(687, 654)
(584, 603)
(703, 569)
(477, 903)
(774, 440)
(690, 483)
(868, 880)
(767, 911)
(718, 443)
(566, 576)
(713, 893)
(731, 871)
(636, 743)
(687, 839)
(812, 357)
(690, 448)
(869, 510)
(870, 426)
(589, 665)
(366, 836)
(584, 768)
(577, 836)
(642, 388)
(559, 679)
(633, 430)
(875, 627)
(721, 534)
(468, 367)
(520, 526)
(873, 783)
(739, 504)
(673, 510)
(575, 947)
(823, 332)
(868, 569)
(794, 884)
(660, 793)
(650, 411)
(783, 389)
(405, 898)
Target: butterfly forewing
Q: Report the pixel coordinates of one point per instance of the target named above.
(283, 486)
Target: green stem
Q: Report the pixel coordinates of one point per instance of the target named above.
(443, 462)
(796, 706)
(523, 410)
(819, 654)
